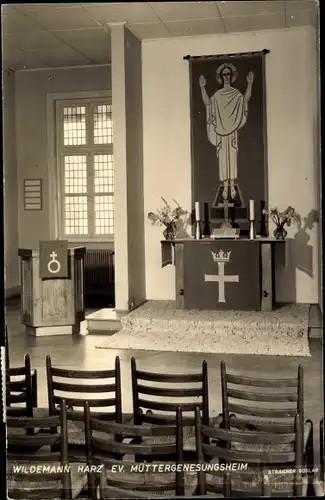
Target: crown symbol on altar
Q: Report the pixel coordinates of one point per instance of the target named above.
(221, 256)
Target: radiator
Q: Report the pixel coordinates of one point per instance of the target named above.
(99, 277)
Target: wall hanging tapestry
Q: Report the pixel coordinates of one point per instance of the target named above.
(228, 133)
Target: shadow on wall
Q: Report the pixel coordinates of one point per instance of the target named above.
(297, 253)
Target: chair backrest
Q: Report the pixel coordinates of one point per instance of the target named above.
(19, 389)
(277, 400)
(20, 371)
(106, 445)
(322, 449)
(7, 349)
(101, 388)
(52, 467)
(250, 466)
(157, 404)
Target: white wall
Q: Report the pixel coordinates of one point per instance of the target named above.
(32, 88)
(291, 115)
(134, 159)
(10, 185)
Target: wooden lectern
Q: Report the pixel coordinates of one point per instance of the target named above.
(52, 305)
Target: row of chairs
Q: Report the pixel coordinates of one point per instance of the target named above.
(150, 406)
(132, 444)
(149, 399)
(156, 404)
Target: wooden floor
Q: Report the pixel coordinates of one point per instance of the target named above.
(78, 351)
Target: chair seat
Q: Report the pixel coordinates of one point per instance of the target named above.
(271, 447)
(76, 431)
(77, 437)
(189, 439)
(40, 412)
(255, 423)
(142, 480)
(146, 478)
(251, 480)
(78, 480)
(279, 486)
(20, 431)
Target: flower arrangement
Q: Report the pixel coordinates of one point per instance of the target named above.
(281, 219)
(167, 216)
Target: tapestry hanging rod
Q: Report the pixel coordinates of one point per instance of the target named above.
(191, 58)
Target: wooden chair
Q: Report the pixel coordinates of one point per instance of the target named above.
(124, 483)
(21, 390)
(156, 404)
(251, 467)
(270, 405)
(251, 392)
(107, 398)
(21, 454)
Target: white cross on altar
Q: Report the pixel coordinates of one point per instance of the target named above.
(221, 278)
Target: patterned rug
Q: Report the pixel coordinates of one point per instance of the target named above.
(159, 326)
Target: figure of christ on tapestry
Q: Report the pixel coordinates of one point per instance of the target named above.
(228, 132)
(226, 113)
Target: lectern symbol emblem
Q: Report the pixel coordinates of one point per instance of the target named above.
(54, 265)
(221, 258)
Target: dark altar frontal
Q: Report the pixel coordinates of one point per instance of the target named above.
(223, 274)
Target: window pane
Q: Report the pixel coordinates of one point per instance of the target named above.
(104, 214)
(104, 173)
(74, 126)
(76, 215)
(103, 124)
(75, 174)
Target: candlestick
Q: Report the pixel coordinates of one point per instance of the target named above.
(197, 211)
(198, 233)
(252, 233)
(251, 210)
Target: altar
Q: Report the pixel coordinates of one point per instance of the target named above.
(224, 274)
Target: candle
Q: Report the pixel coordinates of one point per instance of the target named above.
(251, 210)
(197, 211)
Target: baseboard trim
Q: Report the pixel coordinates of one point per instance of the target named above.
(315, 333)
(12, 292)
(132, 308)
(124, 312)
(315, 327)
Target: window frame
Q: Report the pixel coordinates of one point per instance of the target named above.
(56, 103)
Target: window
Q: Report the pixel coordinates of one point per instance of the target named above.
(86, 168)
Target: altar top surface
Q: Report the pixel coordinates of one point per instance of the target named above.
(211, 240)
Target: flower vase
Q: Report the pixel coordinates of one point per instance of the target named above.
(280, 233)
(170, 231)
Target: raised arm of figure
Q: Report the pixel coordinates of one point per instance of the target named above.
(248, 93)
(205, 97)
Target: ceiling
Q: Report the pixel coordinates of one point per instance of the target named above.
(71, 34)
